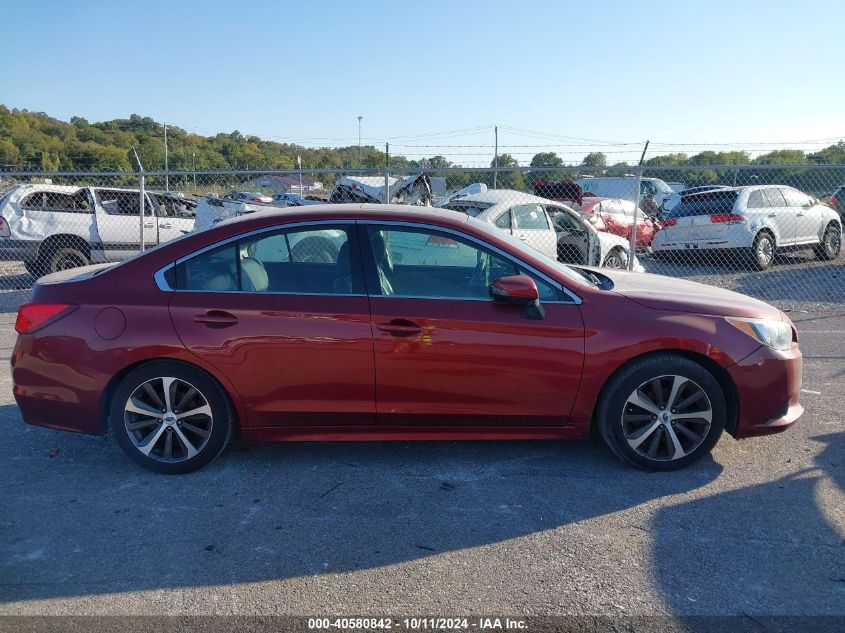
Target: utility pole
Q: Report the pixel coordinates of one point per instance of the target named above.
(495, 154)
(299, 165)
(632, 245)
(194, 167)
(359, 140)
(166, 168)
(386, 173)
(141, 198)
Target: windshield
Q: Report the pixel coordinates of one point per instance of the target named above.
(523, 248)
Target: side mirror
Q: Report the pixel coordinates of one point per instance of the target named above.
(519, 290)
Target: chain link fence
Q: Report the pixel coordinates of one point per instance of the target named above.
(769, 231)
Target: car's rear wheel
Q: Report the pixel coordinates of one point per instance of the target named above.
(831, 243)
(65, 258)
(662, 412)
(763, 251)
(171, 417)
(616, 258)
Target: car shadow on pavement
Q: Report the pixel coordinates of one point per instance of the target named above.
(78, 518)
(759, 550)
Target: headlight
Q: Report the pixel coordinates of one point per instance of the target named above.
(775, 334)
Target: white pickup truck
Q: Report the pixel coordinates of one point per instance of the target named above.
(54, 227)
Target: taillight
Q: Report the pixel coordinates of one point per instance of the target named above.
(833, 201)
(4, 228)
(729, 218)
(669, 222)
(32, 316)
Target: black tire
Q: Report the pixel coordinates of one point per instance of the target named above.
(831, 243)
(35, 267)
(65, 258)
(220, 428)
(614, 407)
(616, 258)
(763, 251)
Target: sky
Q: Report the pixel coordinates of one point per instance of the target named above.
(435, 77)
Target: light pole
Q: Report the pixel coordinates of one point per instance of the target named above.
(359, 139)
(166, 168)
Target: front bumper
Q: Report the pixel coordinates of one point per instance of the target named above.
(768, 384)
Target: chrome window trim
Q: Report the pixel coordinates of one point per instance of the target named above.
(162, 284)
(575, 298)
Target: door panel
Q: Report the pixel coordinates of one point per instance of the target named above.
(475, 363)
(446, 354)
(293, 360)
(284, 317)
(118, 224)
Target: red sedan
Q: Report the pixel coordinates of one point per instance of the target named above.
(358, 322)
(616, 216)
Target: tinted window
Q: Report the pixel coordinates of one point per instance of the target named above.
(294, 261)
(755, 200)
(472, 209)
(504, 220)
(429, 263)
(708, 203)
(55, 201)
(213, 271)
(530, 217)
(795, 198)
(773, 198)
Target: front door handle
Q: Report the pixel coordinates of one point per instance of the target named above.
(148, 225)
(216, 318)
(400, 327)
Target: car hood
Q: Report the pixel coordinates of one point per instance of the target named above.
(680, 295)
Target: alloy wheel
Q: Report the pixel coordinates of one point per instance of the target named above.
(764, 251)
(667, 417)
(614, 260)
(168, 419)
(832, 242)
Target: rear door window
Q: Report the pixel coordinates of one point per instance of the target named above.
(756, 200)
(774, 198)
(117, 202)
(504, 220)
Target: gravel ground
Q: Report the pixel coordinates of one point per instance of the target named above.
(435, 528)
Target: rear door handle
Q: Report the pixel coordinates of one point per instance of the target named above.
(164, 226)
(400, 327)
(148, 225)
(216, 318)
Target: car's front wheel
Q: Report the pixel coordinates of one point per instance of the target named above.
(617, 258)
(831, 243)
(171, 417)
(661, 412)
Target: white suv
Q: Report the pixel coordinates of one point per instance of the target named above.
(55, 227)
(755, 221)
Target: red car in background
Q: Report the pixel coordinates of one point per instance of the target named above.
(384, 322)
(616, 216)
(613, 215)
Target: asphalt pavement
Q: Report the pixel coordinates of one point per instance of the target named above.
(523, 528)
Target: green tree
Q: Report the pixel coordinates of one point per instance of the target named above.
(595, 159)
(508, 179)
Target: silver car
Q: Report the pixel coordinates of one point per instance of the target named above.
(552, 228)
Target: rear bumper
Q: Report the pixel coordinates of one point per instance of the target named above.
(768, 386)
